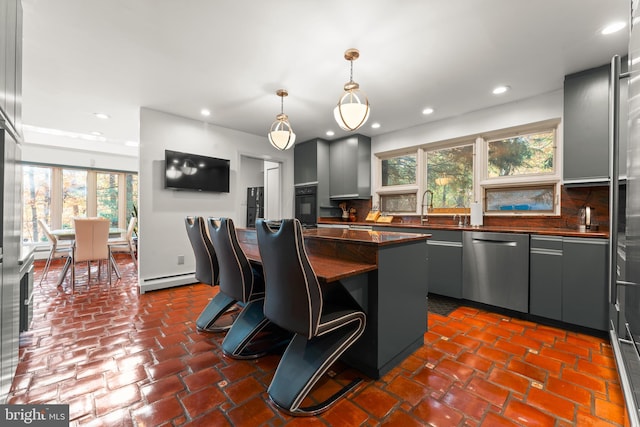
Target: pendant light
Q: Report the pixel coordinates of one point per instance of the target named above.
(353, 109)
(281, 135)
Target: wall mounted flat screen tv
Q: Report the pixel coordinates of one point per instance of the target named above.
(184, 171)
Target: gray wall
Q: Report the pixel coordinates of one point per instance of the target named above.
(162, 232)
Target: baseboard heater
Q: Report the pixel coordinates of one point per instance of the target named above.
(163, 282)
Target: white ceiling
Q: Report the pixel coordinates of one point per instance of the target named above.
(87, 56)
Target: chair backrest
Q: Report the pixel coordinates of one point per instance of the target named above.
(92, 239)
(293, 299)
(206, 261)
(47, 232)
(236, 274)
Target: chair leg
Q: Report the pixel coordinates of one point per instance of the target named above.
(243, 340)
(109, 267)
(212, 312)
(46, 266)
(73, 272)
(303, 364)
(133, 255)
(65, 270)
(114, 265)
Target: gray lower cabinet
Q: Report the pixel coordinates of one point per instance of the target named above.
(445, 259)
(545, 276)
(568, 280)
(585, 299)
(445, 263)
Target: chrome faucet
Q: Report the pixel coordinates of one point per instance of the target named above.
(425, 218)
(463, 220)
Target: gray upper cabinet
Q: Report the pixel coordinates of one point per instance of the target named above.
(350, 167)
(305, 160)
(311, 167)
(586, 149)
(586, 126)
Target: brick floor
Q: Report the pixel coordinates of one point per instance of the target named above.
(119, 359)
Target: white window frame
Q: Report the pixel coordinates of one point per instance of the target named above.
(529, 180)
(56, 192)
(398, 189)
(481, 181)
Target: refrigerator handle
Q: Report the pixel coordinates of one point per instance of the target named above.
(614, 115)
(614, 170)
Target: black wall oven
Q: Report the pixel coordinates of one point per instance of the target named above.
(306, 205)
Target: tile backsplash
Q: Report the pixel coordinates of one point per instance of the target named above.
(572, 199)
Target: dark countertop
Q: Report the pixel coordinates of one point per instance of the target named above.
(565, 232)
(367, 237)
(337, 253)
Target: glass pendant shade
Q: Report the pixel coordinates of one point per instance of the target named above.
(281, 135)
(352, 111)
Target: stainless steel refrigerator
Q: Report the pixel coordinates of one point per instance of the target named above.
(624, 205)
(255, 205)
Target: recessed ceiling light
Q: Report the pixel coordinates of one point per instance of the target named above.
(613, 28)
(96, 133)
(205, 112)
(428, 111)
(102, 115)
(375, 125)
(500, 90)
(330, 133)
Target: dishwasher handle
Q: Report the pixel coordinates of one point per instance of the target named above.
(495, 242)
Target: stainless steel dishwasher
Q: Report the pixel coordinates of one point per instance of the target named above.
(495, 269)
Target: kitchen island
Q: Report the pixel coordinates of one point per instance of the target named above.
(386, 274)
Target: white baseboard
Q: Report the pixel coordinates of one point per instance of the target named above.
(152, 284)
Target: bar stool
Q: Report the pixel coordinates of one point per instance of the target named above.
(325, 320)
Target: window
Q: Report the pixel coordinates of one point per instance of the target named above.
(37, 201)
(535, 198)
(450, 177)
(56, 195)
(513, 171)
(132, 193)
(400, 170)
(398, 203)
(107, 196)
(74, 195)
(521, 155)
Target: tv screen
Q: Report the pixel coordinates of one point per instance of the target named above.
(185, 171)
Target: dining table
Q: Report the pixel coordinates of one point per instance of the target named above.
(70, 234)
